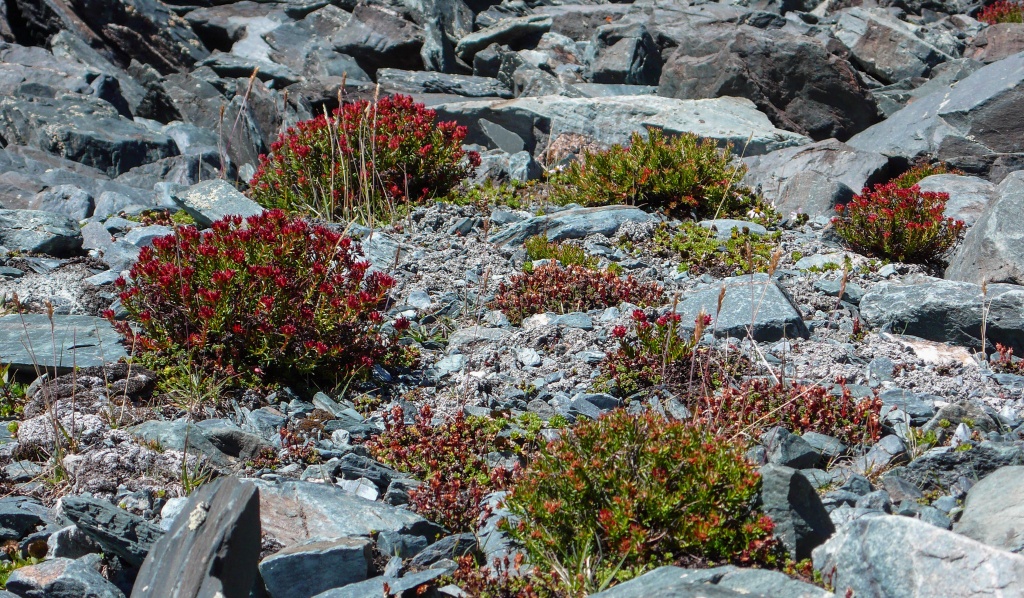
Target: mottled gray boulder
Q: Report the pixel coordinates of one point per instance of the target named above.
(966, 125)
(993, 512)
(315, 566)
(942, 467)
(969, 196)
(573, 224)
(996, 42)
(801, 179)
(379, 38)
(210, 550)
(66, 200)
(451, 547)
(19, 516)
(891, 556)
(886, 47)
(789, 450)
(801, 521)
(44, 232)
(502, 32)
(624, 53)
(61, 578)
(292, 512)
(90, 132)
(27, 341)
(182, 436)
(948, 312)
(608, 120)
(212, 200)
(394, 80)
(717, 582)
(993, 249)
(116, 530)
(374, 587)
(753, 305)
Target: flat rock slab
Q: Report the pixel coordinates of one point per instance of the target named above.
(210, 201)
(293, 512)
(993, 249)
(316, 566)
(900, 556)
(993, 512)
(39, 231)
(573, 224)
(718, 582)
(61, 578)
(752, 305)
(116, 530)
(613, 120)
(26, 341)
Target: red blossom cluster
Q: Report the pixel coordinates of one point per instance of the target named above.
(363, 159)
(270, 294)
(1003, 11)
(905, 225)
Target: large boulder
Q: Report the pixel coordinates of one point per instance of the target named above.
(753, 306)
(212, 200)
(39, 231)
(997, 42)
(993, 512)
(529, 123)
(60, 578)
(794, 79)
(943, 467)
(801, 521)
(948, 312)
(891, 556)
(624, 53)
(993, 249)
(70, 341)
(717, 582)
(972, 125)
(116, 530)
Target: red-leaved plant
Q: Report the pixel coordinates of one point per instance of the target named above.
(1003, 11)
(273, 295)
(906, 225)
(559, 289)
(362, 161)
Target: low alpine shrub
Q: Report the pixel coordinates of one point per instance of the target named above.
(760, 404)
(1003, 11)
(362, 161)
(271, 295)
(682, 176)
(615, 497)
(700, 252)
(539, 248)
(922, 171)
(906, 225)
(567, 289)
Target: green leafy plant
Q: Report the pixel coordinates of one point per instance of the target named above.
(273, 296)
(539, 248)
(364, 161)
(920, 172)
(12, 394)
(905, 225)
(10, 566)
(699, 251)
(567, 289)
(627, 493)
(513, 194)
(1002, 11)
(680, 176)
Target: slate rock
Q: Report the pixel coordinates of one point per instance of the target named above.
(888, 451)
(379, 38)
(451, 547)
(717, 582)
(43, 232)
(886, 47)
(398, 545)
(66, 200)
(211, 549)
(789, 450)
(374, 587)
(61, 578)
(81, 341)
(572, 224)
(180, 436)
(754, 302)
(624, 53)
(993, 513)
(19, 516)
(502, 32)
(993, 248)
(116, 530)
(942, 467)
(426, 82)
(70, 542)
(724, 227)
(315, 566)
(900, 556)
(212, 200)
(801, 522)
(969, 196)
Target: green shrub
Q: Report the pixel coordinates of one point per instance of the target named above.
(920, 172)
(567, 289)
(624, 494)
(271, 296)
(906, 225)
(363, 162)
(681, 176)
(700, 252)
(539, 248)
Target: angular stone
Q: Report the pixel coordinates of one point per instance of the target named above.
(993, 513)
(61, 578)
(801, 521)
(66, 200)
(942, 467)
(426, 82)
(27, 341)
(43, 232)
(993, 249)
(374, 587)
(502, 32)
(751, 302)
(179, 436)
(718, 582)
(573, 224)
(309, 568)
(211, 549)
(117, 531)
(900, 556)
(19, 517)
(886, 47)
(789, 450)
(210, 201)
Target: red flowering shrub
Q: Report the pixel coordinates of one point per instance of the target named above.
(760, 404)
(624, 494)
(906, 225)
(567, 289)
(272, 295)
(1003, 11)
(357, 164)
(449, 457)
(680, 176)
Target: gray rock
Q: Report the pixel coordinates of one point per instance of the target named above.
(451, 547)
(801, 522)
(968, 196)
(718, 582)
(573, 224)
(116, 530)
(899, 556)
(610, 120)
(502, 32)
(886, 47)
(828, 447)
(212, 200)
(374, 587)
(61, 578)
(315, 566)
(789, 450)
(942, 467)
(44, 232)
(887, 451)
(22, 471)
(476, 334)
(66, 200)
(948, 311)
(71, 543)
(427, 82)
(143, 236)
(80, 341)
(994, 247)
(993, 513)
(19, 516)
(624, 53)
(180, 436)
(212, 547)
(399, 545)
(852, 292)
(292, 512)
(752, 304)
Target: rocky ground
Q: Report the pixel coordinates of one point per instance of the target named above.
(112, 111)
